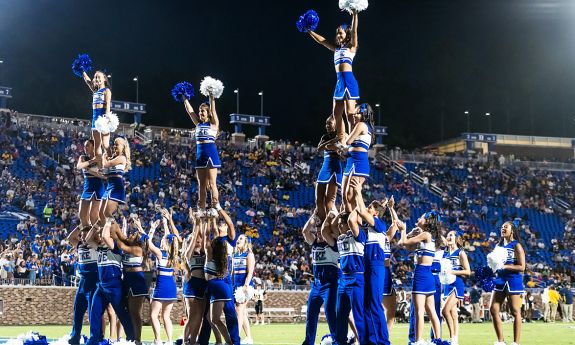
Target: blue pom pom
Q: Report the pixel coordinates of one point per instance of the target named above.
(308, 21)
(183, 89)
(488, 285)
(484, 273)
(82, 63)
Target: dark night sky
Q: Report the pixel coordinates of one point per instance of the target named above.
(512, 58)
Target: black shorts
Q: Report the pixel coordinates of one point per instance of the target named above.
(259, 307)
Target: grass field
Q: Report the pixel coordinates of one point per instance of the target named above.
(293, 334)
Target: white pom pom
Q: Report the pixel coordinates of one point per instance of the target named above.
(114, 121)
(240, 296)
(496, 259)
(211, 87)
(61, 341)
(353, 5)
(107, 123)
(444, 277)
(102, 125)
(326, 340)
(250, 292)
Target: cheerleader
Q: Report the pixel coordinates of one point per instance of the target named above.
(437, 297)
(346, 89)
(109, 288)
(207, 158)
(509, 282)
(350, 245)
(135, 288)
(330, 175)
(88, 270)
(389, 293)
(454, 292)
(357, 166)
(115, 193)
(227, 231)
(216, 270)
(93, 187)
(423, 238)
(377, 251)
(165, 292)
(195, 285)
(101, 103)
(244, 264)
(324, 286)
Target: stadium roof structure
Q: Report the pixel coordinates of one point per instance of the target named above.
(551, 148)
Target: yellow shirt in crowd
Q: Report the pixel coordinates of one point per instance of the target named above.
(554, 297)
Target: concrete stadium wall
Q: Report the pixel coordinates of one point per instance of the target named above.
(30, 305)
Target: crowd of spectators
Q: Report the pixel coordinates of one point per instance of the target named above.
(256, 187)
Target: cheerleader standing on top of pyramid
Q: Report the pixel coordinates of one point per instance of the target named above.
(346, 89)
(101, 103)
(207, 157)
(509, 282)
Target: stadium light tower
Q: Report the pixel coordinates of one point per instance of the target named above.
(1, 63)
(261, 94)
(378, 106)
(468, 116)
(137, 89)
(109, 76)
(237, 92)
(489, 120)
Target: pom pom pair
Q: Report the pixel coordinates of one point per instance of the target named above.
(242, 296)
(107, 123)
(308, 21)
(81, 64)
(496, 259)
(212, 87)
(181, 91)
(30, 338)
(353, 5)
(445, 277)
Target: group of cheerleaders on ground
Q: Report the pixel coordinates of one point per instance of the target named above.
(351, 246)
(110, 257)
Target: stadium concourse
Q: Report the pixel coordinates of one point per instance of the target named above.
(269, 190)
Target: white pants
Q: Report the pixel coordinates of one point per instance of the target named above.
(567, 310)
